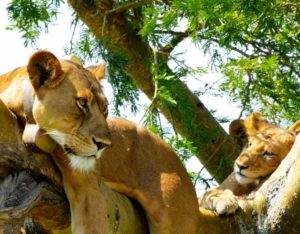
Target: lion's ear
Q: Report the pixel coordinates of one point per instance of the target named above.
(257, 123)
(98, 70)
(295, 127)
(75, 59)
(238, 133)
(44, 69)
(240, 130)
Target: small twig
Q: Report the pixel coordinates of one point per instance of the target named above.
(153, 101)
(154, 50)
(176, 33)
(160, 124)
(103, 26)
(126, 6)
(247, 95)
(210, 158)
(73, 33)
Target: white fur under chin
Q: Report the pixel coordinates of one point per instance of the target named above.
(244, 180)
(79, 163)
(83, 164)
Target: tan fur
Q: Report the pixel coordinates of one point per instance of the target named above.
(137, 164)
(264, 147)
(143, 167)
(53, 101)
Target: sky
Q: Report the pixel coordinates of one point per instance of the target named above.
(13, 51)
(15, 54)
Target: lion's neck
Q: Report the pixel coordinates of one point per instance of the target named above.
(83, 189)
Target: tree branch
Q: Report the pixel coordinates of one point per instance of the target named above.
(202, 129)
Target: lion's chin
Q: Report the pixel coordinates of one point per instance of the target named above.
(83, 164)
(241, 179)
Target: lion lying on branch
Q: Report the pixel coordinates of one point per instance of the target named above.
(66, 101)
(264, 147)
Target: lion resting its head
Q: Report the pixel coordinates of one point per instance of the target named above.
(264, 146)
(66, 101)
(63, 98)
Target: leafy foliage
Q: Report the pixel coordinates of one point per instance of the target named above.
(32, 17)
(255, 44)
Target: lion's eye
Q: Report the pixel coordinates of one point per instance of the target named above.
(82, 104)
(268, 154)
(249, 144)
(242, 134)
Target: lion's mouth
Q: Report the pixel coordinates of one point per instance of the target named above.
(245, 179)
(69, 150)
(72, 152)
(240, 174)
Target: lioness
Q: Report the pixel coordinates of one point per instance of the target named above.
(66, 101)
(264, 147)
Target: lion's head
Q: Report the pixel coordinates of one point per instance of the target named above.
(70, 106)
(264, 147)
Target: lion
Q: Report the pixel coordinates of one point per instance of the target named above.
(66, 101)
(264, 147)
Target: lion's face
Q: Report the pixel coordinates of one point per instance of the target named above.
(263, 154)
(71, 107)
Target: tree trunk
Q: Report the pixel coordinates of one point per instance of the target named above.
(189, 117)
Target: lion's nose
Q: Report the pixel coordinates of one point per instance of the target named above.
(101, 143)
(241, 167)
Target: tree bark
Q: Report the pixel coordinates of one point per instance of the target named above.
(189, 117)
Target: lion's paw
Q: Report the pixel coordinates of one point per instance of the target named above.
(221, 201)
